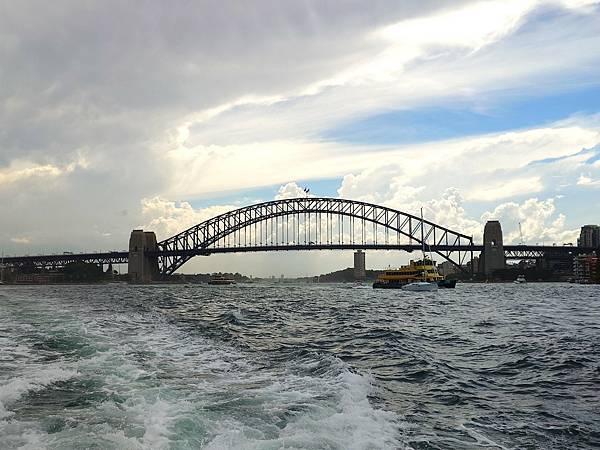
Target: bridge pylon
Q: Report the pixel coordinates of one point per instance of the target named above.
(493, 248)
(143, 262)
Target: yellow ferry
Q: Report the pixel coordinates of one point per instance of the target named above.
(423, 270)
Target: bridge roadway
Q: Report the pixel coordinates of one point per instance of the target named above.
(59, 260)
(122, 257)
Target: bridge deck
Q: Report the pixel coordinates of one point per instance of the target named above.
(122, 257)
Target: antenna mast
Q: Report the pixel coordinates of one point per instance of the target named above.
(521, 234)
(422, 237)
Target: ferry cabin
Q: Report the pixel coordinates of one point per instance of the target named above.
(421, 270)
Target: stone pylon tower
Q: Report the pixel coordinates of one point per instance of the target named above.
(142, 267)
(359, 265)
(493, 248)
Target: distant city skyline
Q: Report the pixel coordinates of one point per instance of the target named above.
(474, 111)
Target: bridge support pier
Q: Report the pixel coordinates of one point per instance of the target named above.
(493, 248)
(359, 265)
(142, 268)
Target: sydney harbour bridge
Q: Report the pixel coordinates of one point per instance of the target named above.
(309, 223)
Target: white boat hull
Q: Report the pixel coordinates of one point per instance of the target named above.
(420, 286)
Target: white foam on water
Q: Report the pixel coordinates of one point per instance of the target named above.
(24, 434)
(157, 421)
(238, 314)
(482, 441)
(165, 387)
(201, 383)
(348, 421)
(153, 423)
(21, 436)
(33, 380)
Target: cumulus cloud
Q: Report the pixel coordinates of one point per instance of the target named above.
(167, 218)
(539, 218)
(291, 190)
(539, 222)
(375, 184)
(449, 211)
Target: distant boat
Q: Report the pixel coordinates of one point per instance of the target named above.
(520, 279)
(219, 279)
(420, 275)
(420, 286)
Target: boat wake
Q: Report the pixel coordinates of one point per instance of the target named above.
(145, 382)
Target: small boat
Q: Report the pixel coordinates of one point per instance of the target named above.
(220, 279)
(359, 285)
(448, 284)
(420, 276)
(520, 279)
(420, 286)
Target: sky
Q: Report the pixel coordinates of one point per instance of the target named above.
(159, 115)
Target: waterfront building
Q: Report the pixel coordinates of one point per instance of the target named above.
(560, 264)
(447, 268)
(39, 278)
(475, 264)
(589, 236)
(585, 268)
(360, 272)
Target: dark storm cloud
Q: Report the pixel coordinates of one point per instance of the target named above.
(102, 82)
(74, 71)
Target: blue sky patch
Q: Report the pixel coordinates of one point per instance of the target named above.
(319, 188)
(506, 112)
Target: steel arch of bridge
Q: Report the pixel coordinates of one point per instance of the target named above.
(262, 227)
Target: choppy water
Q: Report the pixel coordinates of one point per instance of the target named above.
(299, 366)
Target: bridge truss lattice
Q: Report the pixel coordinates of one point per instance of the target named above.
(310, 224)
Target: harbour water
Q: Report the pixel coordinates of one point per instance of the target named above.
(297, 366)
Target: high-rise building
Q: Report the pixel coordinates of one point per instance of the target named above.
(589, 236)
(360, 272)
(475, 264)
(585, 268)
